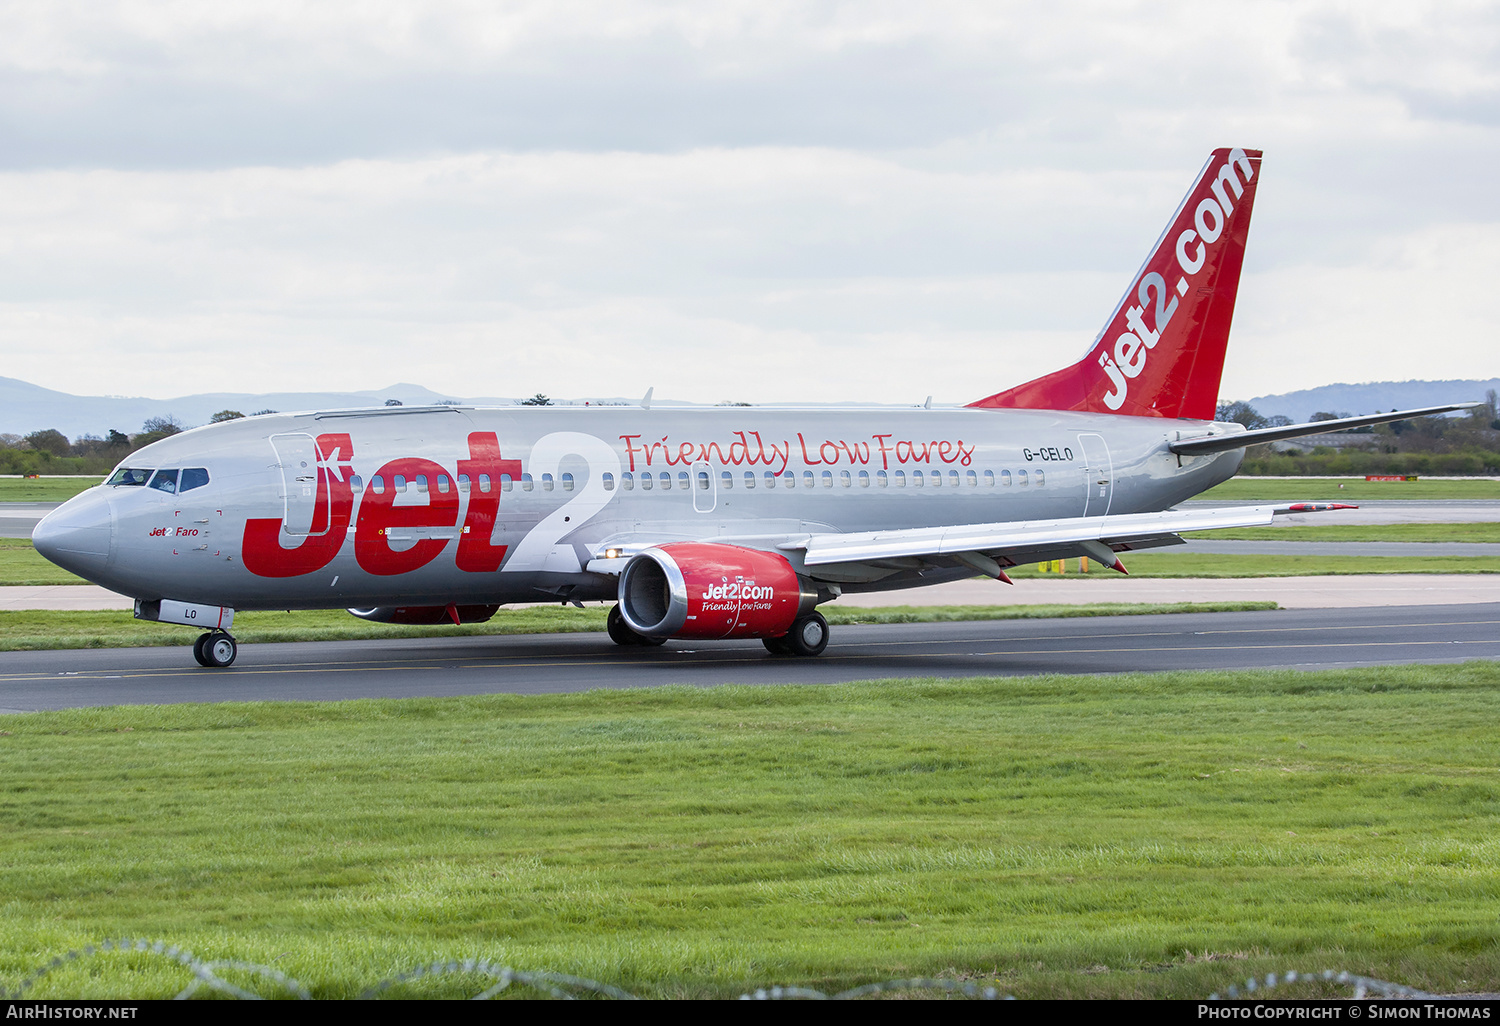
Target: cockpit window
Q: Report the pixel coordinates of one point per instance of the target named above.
(192, 477)
(129, 476)
(165, 481)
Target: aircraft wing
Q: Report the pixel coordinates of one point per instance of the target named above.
(990, 547)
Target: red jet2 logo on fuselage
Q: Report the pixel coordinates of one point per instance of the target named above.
(265, 556)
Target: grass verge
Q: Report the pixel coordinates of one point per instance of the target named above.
(1132, 835)
(21, 565)
(44, 489)
(1272, 489)
(1193, 564)
(37, 629)
(1479, 532)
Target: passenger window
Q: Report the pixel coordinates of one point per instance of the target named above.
(1020, 477)
(506, 482)
(916, 479)
(526, 483)
(989, 479)
(936, 478)
(973, 479)
(377, 485)
(683, 481)
(399, 482)
(953, 478)
(900, 479)
(864, 479)
(609, 482)
(195, 477)
(567, 482)
(807, 479)
(666, 481)
(1040, 478)
(356, 483)
(421, 481)
(646, 482)
(463, 483)
(749, 479)
(882, 479)
(444, 484)
(827, 479)
(1004, 479)
(165, 481)
(129, 476)
(844, 478)
(485, 484)
(547, 482)
(770, 479)
(627, 481)
(726, 477)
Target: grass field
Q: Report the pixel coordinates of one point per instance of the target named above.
(1272, 489)
(30, 630)
(43, 489)
(1166, 563)
(1480, 532)
(20, 564)
(1121, 836)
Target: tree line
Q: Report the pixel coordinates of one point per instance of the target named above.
(49, 451)
(1467, 444)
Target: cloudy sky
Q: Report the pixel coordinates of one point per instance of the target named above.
(753, 201)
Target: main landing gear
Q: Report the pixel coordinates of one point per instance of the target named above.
(808, 637)
(621, 634)
(215, 649)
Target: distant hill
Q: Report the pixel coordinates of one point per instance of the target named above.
(25, 407)
(1371, 397)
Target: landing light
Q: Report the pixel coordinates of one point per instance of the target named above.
(613, 553)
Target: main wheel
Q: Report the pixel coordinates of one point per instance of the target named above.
(776, 646)
(220, 649)
(200, 647)
(808, 636)
(621, 634)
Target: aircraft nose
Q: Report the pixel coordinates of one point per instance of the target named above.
(78, 535)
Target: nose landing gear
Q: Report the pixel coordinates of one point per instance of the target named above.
(215, 649)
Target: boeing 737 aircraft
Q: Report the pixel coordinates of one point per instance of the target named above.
(722, 522)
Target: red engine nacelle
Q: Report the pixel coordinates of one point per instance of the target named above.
(704, 590)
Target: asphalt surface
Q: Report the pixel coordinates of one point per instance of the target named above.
(552, 663)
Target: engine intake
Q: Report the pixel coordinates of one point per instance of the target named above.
(707, 590)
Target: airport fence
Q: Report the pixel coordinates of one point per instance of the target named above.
(267, 982)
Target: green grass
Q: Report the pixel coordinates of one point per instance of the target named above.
(1272, 489)
(1121, 836)
(20, 564)
(44, 489)
(1191, 564)
(1480, 532)
(36, 629)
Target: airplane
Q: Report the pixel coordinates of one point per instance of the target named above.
(701, 523)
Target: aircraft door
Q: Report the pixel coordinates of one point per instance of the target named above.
(297, 458)
(1098, 475)
(705, 488)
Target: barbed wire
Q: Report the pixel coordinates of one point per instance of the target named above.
(1362, 985)
(564, 987)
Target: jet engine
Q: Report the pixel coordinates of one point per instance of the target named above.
(426, 615)
(707, 590)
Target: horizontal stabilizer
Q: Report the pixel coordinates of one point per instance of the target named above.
(1240, 439)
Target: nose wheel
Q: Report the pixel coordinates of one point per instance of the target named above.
(215, 649)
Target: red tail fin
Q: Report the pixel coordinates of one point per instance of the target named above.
(1162, 352)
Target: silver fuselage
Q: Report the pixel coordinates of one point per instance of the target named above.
(572, 488)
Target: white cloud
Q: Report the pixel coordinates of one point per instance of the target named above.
(739, 200)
